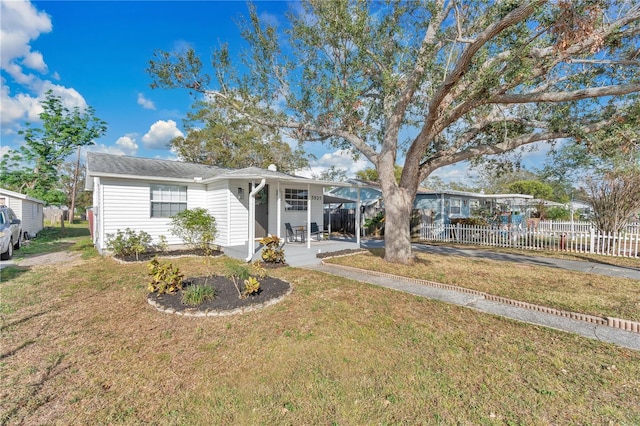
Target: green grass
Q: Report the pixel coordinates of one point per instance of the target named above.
(567, 290)
(195, 295)
(86, 348)
(75, 237)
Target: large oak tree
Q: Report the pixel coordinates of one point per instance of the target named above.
(434, 82)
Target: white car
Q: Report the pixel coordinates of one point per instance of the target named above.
(10, 233)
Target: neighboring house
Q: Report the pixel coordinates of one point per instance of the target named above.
(29, 210)
(142, 194)
(441, 206)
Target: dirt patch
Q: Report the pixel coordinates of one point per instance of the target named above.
(65, 258)
(226, 296)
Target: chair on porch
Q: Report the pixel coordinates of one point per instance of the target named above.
(291, 234)
(316, 231)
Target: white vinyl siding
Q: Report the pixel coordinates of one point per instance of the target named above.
(29, 212)
(126, 204)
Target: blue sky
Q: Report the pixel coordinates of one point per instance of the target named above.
(96, 53)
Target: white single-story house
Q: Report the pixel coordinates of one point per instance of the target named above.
(142, 194)
(28, 209)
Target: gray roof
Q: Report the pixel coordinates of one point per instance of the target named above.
(100, 164)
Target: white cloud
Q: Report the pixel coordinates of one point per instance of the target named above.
(146, 103)
(21, 23)
(340, 159)
(128, 144)
(160, 134)
(28, 107)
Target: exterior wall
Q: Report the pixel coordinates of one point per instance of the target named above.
(295, 218)
(126, 204)
(32, 216)
(238, 210)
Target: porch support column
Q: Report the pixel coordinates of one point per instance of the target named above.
(358, 218)
(278, 209)
(308, 216)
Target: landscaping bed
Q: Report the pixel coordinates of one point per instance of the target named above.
(226, 295)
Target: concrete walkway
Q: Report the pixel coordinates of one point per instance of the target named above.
(627, 339)
(588, 265)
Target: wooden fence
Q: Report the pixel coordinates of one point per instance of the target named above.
(625, 244)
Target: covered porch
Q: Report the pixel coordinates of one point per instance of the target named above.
(302, 254)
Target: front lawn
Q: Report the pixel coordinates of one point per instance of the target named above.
(567, 290)
(81, 345)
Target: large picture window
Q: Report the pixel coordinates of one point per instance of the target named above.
(295, 199)
(168, 200)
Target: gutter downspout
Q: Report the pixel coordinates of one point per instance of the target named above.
(252, 219)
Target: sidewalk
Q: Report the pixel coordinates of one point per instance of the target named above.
(587, 266)
(602, 333)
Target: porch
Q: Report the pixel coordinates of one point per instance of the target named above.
(301, 254)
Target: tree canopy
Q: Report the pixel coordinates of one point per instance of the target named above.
(234, 142)
(34, 167)
(433, 82)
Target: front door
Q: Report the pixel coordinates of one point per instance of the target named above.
(262, 212)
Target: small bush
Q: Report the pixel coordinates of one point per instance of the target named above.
(197, 294)
(273, 252)
(251, 286)
(470, 221)
(196, 227)
(165, 278)
(129, 243)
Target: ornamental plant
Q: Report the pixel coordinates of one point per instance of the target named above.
(273, 251)
(129, 243)
(165, 278)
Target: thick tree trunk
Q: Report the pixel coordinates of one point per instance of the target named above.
(398, 204)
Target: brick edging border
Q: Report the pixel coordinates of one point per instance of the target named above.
(618, 323)
(221, 313)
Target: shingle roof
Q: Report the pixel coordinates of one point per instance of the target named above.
(100, 164)
(108, 164)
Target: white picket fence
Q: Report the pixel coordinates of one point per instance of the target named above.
(580, 226)
(625, 244)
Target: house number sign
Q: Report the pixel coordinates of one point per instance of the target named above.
(316, 198)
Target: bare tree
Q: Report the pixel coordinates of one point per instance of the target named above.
(615, 197)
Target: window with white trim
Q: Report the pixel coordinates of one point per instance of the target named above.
(168, 200)
(455, 206)
(295, 199)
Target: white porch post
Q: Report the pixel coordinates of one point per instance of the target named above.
(308, 216)
(278, 209)
(358, 218)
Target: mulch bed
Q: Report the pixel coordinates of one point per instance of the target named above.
(226, 298)
(147, 256)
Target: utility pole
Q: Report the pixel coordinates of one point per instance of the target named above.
(75, 189)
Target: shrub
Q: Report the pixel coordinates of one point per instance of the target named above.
(165, 278)
(198, 294)
(237, 273)
(273, 252)
(162, 244)
(470, 221)
(196, 227)
(129, 243)
(251, 286)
